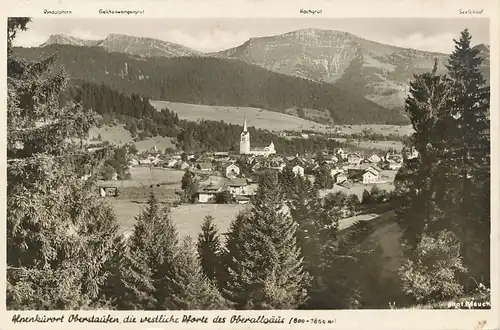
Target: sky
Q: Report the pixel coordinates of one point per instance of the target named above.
(209, 34)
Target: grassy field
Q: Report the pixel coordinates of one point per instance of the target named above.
(259, 118)
(144, 176)
(187, 218)
(379, 129)
(119, 135)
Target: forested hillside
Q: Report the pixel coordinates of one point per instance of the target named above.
(143, 121)
(213, 81)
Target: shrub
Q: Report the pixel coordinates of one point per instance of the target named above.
(431, 272)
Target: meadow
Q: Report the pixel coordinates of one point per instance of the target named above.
(263, 119)
(118, 135)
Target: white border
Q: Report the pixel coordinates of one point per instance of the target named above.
(345, 319)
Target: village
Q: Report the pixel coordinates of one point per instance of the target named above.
(235, 174)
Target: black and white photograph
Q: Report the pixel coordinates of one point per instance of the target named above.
(240, 164)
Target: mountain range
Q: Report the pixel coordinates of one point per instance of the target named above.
(313, 54)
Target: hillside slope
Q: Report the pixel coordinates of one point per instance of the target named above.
(326, 55)
(213, 81)
(263, 119)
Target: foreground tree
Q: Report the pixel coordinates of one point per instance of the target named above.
(190, 288)
(210, 249)
(265, 265)
(447, 187)
(155, 240)
(60, 235)
(468, 153)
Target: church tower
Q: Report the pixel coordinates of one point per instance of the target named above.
(245, 139)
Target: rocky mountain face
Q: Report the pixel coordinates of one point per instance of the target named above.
(332, 56)
(138, 46)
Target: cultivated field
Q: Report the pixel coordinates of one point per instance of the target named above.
(259, 118)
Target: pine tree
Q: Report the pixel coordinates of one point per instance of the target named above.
(155, 239)
(60, 235)
(209, 249)
(266, 268)
(190, 289)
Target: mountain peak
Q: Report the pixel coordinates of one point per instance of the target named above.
(63, 39)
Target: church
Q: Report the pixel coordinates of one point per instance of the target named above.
(245, 145)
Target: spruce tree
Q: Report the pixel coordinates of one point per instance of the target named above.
(60, 234)
(266, 269)
(469, 153)
(155, 239)
(190, 289)
(130, 286)
(209, 249)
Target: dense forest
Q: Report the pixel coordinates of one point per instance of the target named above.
(214, 81)
(143, 121)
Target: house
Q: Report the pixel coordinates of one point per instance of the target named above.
(208, 193)
(333, 160)
(232, 171)
(370, 176)
(205, 167)
(374, 159)
(393, 166)
(133, 162)
(298, 170)
(145, 161)
(237, 186)
(410, 154)
(257, 166)
(354, 158)
(171, 163)
(242, 199)
(339, 178)
(108, 191)
(336, 170)
(182, 165)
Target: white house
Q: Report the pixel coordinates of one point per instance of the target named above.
(237, 186)
(375, 159)
(298, 170)
(232, 171)
(393, 165)
(206, 194)
(370, 176)
(354, 159)
(339, 177)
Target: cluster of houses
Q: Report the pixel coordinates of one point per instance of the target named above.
(346, 168)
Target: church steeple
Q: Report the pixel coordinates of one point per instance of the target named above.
(245, 124)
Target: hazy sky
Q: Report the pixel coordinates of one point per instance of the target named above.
(206, 35)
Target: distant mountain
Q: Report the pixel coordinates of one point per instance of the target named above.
(139, 46)
(325, 55)
(373, 70)
(214, 81)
